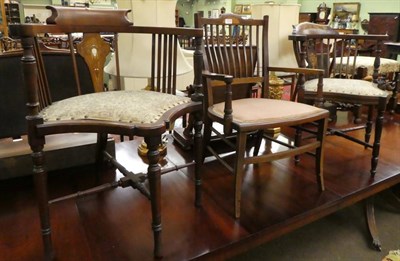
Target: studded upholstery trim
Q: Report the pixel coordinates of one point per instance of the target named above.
(133, 106)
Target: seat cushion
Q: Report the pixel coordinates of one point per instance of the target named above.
(134, 106)
(346, 86)
(267, 110)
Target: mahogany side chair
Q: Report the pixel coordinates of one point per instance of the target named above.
(146, 114)
(235, 61)
(321, 47)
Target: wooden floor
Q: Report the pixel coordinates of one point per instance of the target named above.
(115, 225)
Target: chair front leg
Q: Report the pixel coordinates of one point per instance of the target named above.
(198, 150)
(368, 126)
(297, 143)
(378, 134)
(207, 131)
(154, 177)
(319, 155)
(239, 169)
(101, 147)
(259, 137)
(40, 181)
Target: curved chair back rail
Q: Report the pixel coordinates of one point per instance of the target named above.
(79, 101)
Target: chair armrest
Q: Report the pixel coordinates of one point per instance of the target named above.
(218, 77)
(296, 70)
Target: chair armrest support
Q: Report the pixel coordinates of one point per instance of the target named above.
(228, 98)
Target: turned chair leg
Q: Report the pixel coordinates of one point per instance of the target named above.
(100, 161)
(101, 147)
(198, 150)
(368, 124)
(319, 154)
(357, 114)
(378, 134)
(40, 179)
(297, 143)
(258, 140)
(238, 171)
(154, 177)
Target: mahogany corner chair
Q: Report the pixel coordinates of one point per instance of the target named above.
(147, 114)
(235, 61)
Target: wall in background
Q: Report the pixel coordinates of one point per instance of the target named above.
(367, 6)
(187, 8)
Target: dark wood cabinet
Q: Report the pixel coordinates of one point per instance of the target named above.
(307, 17)
(3, 21)
(385, 23)
(12, 11)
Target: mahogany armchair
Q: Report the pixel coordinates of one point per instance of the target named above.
(319, 46)
(147, 114)
(234, 63)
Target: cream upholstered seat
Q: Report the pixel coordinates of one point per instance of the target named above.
(120, 106)
(389, 70)
(92, 109)
(347, 86)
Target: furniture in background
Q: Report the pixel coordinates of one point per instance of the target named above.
(147, 114)
(13, 13)
(282, 17)
(59, 78)
(385, 23)
(3, 20)
(323, 13)
(135, 75)
(393, 50)
(235, 118)
(15, 159)
(389, 24)
(307, 17)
